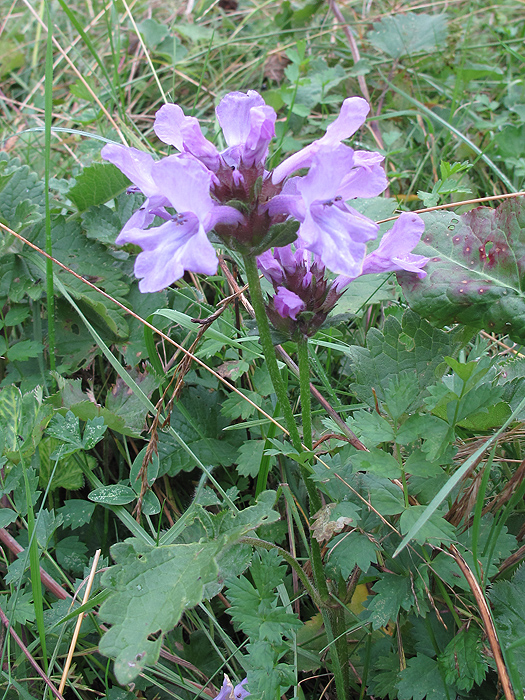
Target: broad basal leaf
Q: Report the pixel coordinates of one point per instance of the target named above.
(476, 275)
(408, 33)
(97, 184)
(152, 586)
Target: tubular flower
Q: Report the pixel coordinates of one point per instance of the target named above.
(228, 692)
(230, 192)
(304, 296)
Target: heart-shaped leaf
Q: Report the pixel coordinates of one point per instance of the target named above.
(476, 273)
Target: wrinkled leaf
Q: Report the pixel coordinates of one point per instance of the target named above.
(152, 586)
(476, 275)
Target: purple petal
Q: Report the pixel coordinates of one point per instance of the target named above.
(394, 251)
(248, 124)
(270, 267)
(354, 111)
(174, 128)
(136, 165)
(351, 117)
(170, 249)
(328, 170)
(185, 182)
(287, 303)
(239, 692)
(223, 214)
(338, 234)
(141, 219)
(366, 179)
(228, 692)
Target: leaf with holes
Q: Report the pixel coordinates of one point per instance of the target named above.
(151, 588)
(476, 273)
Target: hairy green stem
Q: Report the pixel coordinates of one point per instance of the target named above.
(304, 383)
(252, 275)
(48, 103)
(321, 596)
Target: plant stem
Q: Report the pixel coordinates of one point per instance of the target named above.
(252, 275)
(323, 597)
(50, 292)
(304, 383)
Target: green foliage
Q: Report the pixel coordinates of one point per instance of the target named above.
(405, 34)
(419, 398)
(410, 347)
(475, 275)
(255, 609)
(463, 660)
(97, 184)
(422, 678)
(151, 586)
(509, 615)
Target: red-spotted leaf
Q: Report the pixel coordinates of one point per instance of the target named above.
(476, 273)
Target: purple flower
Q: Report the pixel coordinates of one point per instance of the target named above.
(248, 125)
(394, 251)
(175, 129)
(298, 306)
(287, 303)
(351, 117)
(331, 229)
(201, 181)
(181, 242)
(303, 295)
(228, 692)
(137, 166)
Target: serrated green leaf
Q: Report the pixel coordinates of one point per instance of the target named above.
(123, 402)
(508, 604)
(236, 407)
(67, 474)
(7, 516)
(90, 260)
(422, 679)
(378, 462)
(410, 347)
(435, 530)
(71, 554)
(76, 512)
(250, 457)
(371, 427)
(392, 593)
(10, 416)
(101, 224)
(20, 185)
(476, 274)
(66, 429)
(97, 184)
(22, 421)
(349, 550)
(463, 660)
(152, 586)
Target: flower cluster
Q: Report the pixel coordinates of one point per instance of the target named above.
(304, 296)
(231, 192)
